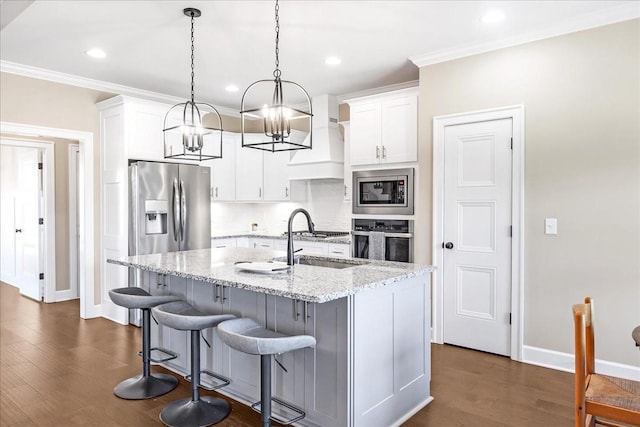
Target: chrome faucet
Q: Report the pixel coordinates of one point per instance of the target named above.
(290, 250)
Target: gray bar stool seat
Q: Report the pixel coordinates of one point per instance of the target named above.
(146, 385)
(197, 410)
(247, 336)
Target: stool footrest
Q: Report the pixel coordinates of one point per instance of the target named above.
(170, 355)
(219, 381)
(287, 408)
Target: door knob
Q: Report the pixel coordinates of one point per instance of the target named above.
(448, 245)
(18, 230)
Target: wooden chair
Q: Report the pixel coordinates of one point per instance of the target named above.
(596, 395)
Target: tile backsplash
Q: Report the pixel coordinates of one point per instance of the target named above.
(324, 201)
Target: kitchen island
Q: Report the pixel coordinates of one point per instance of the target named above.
(371, 319)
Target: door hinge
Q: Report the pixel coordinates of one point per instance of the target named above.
(512, 143)
(41, 276)
(40, 165)
(41, 221)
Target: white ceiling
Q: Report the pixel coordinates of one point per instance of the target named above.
(147, 42)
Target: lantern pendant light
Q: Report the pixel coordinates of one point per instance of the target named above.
(276, 118)
(192, 130)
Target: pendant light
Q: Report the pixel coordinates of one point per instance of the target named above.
(276, 117)
(192, 130)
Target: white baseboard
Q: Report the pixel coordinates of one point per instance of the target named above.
(413, 412)
(565, 362)
(65, 295)
(93, 311)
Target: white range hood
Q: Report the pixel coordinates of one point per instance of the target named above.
(325, 160)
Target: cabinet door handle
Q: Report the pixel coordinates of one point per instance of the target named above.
(306, 311)
(223, 297)
(286, 191)
(345, 191)
(296, 313)
(216, 295)
(216, 192)
(384, 152)
(260, 192)
(377, 151)
(336, 252)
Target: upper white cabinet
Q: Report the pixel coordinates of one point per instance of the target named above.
(223, 171)
(276, 182)
(249, 181)
(384, 128)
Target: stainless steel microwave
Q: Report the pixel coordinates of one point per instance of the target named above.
(386, 191)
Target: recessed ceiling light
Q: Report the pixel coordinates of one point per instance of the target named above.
(96, 53)
(333, 60)
(231, 88)
(493, 16)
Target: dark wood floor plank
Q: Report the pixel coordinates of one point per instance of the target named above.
(57, 369)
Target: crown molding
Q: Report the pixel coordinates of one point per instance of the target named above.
(116, 89)
(378, 90)
(621, 13)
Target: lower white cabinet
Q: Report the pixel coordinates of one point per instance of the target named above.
(261, 243)
(227, 242)
(340, 250)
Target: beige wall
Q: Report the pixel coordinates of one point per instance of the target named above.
(42, 103)
(581, 94)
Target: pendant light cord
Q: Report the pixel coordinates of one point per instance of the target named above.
(193, 74)
(277, 72)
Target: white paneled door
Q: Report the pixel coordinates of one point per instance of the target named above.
(477, 235)
(27, 229)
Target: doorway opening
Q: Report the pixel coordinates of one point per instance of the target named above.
(86, 246)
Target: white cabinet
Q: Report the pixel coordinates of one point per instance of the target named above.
(275, 179)
(248, 174)
(262, 175)
(229, 242)
(223, 171)
(340, 250)
(384, 128)
(261, 243)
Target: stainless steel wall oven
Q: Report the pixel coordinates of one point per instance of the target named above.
(383, 239)
(383, 192)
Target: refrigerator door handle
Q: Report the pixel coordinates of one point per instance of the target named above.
(176, 209)
(183, 210)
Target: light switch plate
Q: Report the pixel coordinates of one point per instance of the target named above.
(550, 226)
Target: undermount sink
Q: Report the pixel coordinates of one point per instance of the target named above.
(322, 262)
(325, 263)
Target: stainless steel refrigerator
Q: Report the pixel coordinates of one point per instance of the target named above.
(170, 210)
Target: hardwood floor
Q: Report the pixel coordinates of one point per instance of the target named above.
(59, 370)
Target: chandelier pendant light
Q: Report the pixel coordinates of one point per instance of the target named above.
(276, 118)
(192, 130)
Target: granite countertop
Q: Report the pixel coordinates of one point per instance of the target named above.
(303, 282)
(266, 235)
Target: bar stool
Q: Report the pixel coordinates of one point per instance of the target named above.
(197, 410)
(247, 336)
(147, 385)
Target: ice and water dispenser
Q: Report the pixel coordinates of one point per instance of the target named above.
(155, 216)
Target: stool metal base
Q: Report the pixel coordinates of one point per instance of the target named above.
(189, 413)
(145, 387)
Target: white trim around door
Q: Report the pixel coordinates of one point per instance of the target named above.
(88, 308)
(516, 114)
(73, 291)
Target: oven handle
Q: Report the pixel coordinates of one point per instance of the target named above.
(399, 235)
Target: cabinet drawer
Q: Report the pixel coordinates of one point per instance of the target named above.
(339, 250)
(223, 243)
